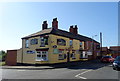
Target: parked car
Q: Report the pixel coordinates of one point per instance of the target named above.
(116, 63)
(107, 59)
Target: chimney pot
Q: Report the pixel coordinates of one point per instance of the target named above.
(44, 22)
(55, 19)
(76, 26)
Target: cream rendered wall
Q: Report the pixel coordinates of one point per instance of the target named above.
(31, 58)
(52, 58)
(19, 55)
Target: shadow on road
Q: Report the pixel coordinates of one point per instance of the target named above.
(93, 64)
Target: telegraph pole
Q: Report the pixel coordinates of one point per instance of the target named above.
(100, 44)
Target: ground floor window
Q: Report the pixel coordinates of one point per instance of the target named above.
(61, 55)
(83, 54)
(73, 55)
(42, 56)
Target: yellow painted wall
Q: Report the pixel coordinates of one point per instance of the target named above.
(31, 58)
(19, 55)
(52, 58)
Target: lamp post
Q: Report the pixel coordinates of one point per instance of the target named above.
(100, 44)
(93, 45)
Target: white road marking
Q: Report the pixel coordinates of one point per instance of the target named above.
(82, 77)
(78, 75)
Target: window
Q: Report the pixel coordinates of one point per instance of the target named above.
(34, 41)
(61, 55)
(44, 41)
(55, 51)
(83, 54)
(97, 46)
(61, 42)
(26, 43)
(80, 44)
(73, 55)
(42, 56)
(71, 42)
(30, 52)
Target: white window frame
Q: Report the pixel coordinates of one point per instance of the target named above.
(73, 55)
(34, 41)
(41, 53)
(84, 54)
(62, 55)
(71, 42)
(26, 43)
(81, 44)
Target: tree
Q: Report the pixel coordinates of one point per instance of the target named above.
(2, 55)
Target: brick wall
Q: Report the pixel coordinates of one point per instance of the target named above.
(11, 58)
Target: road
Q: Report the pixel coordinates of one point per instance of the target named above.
(83, 71)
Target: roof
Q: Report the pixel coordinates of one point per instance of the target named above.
(114, 48)
(104, 48)
(45, 31)
(60, 33)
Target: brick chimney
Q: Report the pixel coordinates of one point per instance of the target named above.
(44, 25)
(55, 23)
(71, 29)
(75, 30)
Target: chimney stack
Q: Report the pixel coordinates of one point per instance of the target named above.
(73, 29)
(55, 23)
(44, 25)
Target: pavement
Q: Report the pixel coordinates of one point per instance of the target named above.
(52, 66)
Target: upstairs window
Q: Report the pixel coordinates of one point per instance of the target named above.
(44, 41)
(61, 42)
(26, 43)
(80, 44)
(34, 41)
(71, 42)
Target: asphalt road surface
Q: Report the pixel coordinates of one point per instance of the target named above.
(83, 71)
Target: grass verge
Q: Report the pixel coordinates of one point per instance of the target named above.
(2, 63)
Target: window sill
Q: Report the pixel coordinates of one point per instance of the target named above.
(42, 60)
(44, 46)
(74, 58)
(27, 47)
(60, 59)
(84, 58)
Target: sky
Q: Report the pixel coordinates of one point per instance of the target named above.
(19, 19)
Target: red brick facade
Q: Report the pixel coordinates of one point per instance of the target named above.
(11, 58)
